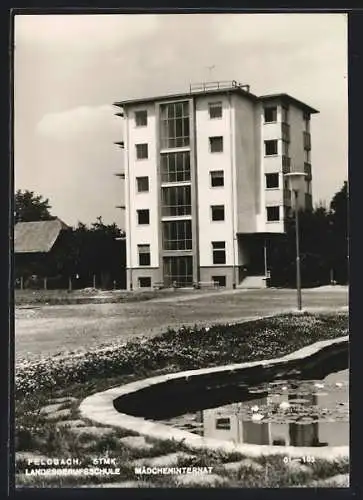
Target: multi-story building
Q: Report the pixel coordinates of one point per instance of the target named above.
(204, 181)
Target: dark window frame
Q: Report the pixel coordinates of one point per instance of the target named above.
(139, 181)
(275, 176)
(270, 211)
(213, 106)
(217, 211)
(213, 175)
(218, 250)
(141, 122)
(143, 212)
(269, 143)
(142, 148)
(140, 281)
(270, 109)
(214, 141)
(144, 254)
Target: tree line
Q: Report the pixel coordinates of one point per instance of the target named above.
(81, 252)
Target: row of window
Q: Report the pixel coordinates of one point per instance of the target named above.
(216, 180)
(145, 281)
(271, 146)
(178, 210)
(177, 110)
(270, 115)
(216, 146)
(215, 110)
(218, 253)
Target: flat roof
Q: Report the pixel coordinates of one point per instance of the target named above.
(289, 99)
(186, 94)
(282, 96)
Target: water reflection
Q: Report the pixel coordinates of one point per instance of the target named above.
(297, 413)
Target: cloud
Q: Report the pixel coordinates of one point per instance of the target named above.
(81, 123)
(85, 32)
(282, 29)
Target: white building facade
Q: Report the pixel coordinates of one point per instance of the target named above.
(204, 182)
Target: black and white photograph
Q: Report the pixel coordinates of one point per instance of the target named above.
(181, 257)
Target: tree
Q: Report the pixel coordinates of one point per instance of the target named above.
(30, 207)
(338, 220)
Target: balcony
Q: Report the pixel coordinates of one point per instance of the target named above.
(286, 164)
(285, 130)
(307, 141)
(307, 170)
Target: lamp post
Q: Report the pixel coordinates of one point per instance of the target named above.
(295, 179)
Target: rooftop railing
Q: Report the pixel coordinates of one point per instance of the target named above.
(220, 85)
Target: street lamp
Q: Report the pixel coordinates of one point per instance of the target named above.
(295, 179)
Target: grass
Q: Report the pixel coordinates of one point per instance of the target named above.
(87, 296)
(188, 348)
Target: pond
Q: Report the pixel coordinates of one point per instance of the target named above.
(281, 412)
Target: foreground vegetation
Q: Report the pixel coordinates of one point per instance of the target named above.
(77, 376)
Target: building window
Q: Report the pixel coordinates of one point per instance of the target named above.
(144, 255)
(270, 114)
(285, 148)
(144, 282)
(273, 214)
(221, 280)
(174, 120)
(175, 167)
(141, 118)
(307, 141)
(217, 178)
(177, 235)
(219, 252)
(307, 155)
(143, 216)
(270, 148)
(308, 187)
(215, 110)
(178, 270)
(216, 144)
(285, 114)
(272, 181)
(223, 424)
(142, 184)
(142, 151)
(176, 201)
(217, 212)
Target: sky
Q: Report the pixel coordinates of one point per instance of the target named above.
(70, 69)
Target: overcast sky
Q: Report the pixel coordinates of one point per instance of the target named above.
(69, 69)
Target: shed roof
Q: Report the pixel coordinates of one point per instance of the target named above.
(39, 236)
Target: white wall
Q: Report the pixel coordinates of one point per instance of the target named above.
(206, 161)
(147, 234)
(246, 163)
